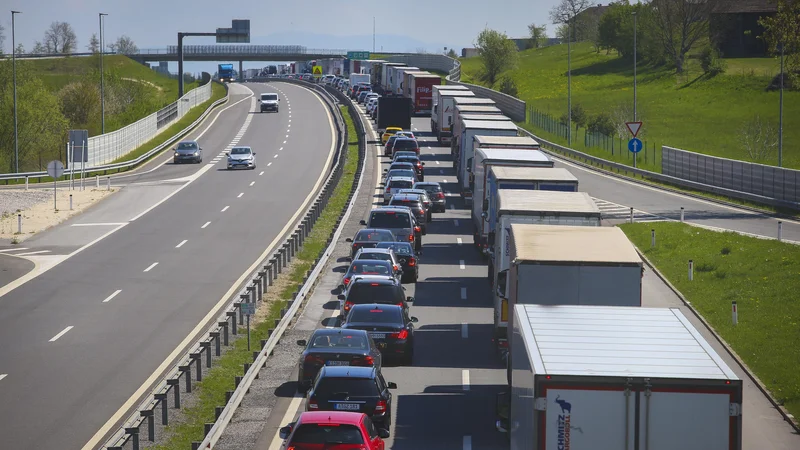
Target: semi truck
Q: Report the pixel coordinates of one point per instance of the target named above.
(394, 112)
(356, 78)
(484, 160)
(442, 113)
(635, 378)
(458, 119)
(400, 78)
(225, 73)
(474, 101)
(384, 81)
(464, 153)
(483, 110)
(422, 92)
(407, 92)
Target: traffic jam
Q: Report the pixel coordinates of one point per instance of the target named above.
(565, 292)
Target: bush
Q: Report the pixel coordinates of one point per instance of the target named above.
(601, 123)
(579, 116)
(507, 85)
(711, 62)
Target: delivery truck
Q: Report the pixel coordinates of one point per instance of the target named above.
(484, 160)
(443, 108)
(385, 74)
(400, 78)
(464, 153)
(458, 119)
(422, 92)
(536, 207)
(357, 78)
(635, 378)
(393, 112)
(225, 73)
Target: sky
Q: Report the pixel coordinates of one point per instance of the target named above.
(155, 23)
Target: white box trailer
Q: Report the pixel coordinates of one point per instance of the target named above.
(459, 116)
(407, 81)
(399, 80)
(392, 78)
(465, 151)
(615, 378)
(486, 158)
(442, 113)
(384, 81)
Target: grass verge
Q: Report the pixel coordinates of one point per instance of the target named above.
(211, 391)
(760, 275)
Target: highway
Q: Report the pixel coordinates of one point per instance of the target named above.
(446, 399)
(122, 289)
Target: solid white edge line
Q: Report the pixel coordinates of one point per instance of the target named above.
(205, 225)
(98, 224)
(463, 293)
(461, 265)
(108, 299)
(13, 249)
(32, 253)
(288, 416)
(170, 360)
(62, 333)
(465, 379)
(150, 267)
(464, 330)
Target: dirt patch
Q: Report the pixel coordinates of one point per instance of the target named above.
(136, 80)
(41, 214)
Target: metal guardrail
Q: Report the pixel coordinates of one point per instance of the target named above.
(105, 168)
(200, 353)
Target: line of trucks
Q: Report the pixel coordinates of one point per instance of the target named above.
(587, 366)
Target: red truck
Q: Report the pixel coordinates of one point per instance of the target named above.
(421, 87)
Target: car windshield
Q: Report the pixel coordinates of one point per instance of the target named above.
(401, 173)
(372, 267)
(401, 184)
(312, 433)
(389, 219)
(355, 387)
(379, 256)
(339, 341)
(400, 248)
(367, 292)
(240, 151)
(431, 188)
(375, 315)
(405, 143)
(374, 236)
(269, 96)
(187, 146)
(401, 165)
(407, 159)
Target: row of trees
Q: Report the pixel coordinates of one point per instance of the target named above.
(60, 38)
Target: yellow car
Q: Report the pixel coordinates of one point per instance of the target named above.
(389, 132)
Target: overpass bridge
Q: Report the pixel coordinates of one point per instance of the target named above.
(244, 52)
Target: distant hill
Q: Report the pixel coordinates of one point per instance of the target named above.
(383, 42)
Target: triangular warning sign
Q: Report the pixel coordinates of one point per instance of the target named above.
(634, 127)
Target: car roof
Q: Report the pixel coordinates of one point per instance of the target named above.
(242, 147)
(400, 162)
(408, 154)
(187, 142)
(427, 183)
(348, 371)
(337, 331)
(374, 250)
(383, 280)
(406, 196)
(332, 417)
(373, 230)
(413, 191)
(390, 208)
(400, 178)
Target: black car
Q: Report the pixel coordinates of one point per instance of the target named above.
(426, 201)
(387, 148)
(369, 237)
(419, 166)
(409, 260)
(335, 347)
(367, 267)
(414, 203)
(435, 193)
(373, 289)
(353, 389)
(389, 326)
(405, 144)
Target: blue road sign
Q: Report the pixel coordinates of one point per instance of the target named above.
(635, 145)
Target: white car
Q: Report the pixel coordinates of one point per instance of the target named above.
(241, 158)
(369, 97)
(371, 103)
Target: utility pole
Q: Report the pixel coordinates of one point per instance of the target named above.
(373, 34)
(102, 79)
(14, 70)
(634, 78)
(780, 117)
(569, 82)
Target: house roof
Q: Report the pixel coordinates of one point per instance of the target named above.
(745, 6)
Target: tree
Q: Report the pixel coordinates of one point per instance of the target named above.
(60, 38)
(759, 139)
(679, 25)
(508, 86)
(784, 28)
(124, 46)
(94, 44)
(565, 12)
(452, 53)
(20, 49)
(587, 27)
(538, 35)
(579, 116)
(497, 52)
(562, 32)
(38, 48)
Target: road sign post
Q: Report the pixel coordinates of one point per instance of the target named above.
(358, 55)
(55, 169)
(316, 71)
(634, 128)
(248, 309)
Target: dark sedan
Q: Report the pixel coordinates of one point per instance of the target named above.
(369, 237)
(371, 289)
(335, 347)
(414, 203)
(435, 193)
(389, 326)
(387, 149)
(409, 261)
(419, 166)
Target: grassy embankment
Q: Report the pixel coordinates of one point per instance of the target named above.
(762, 276)
(211, 391)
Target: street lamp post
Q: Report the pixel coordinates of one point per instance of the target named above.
(102, 79)
(780, 116)
(634, 77)
(569, 82)
(14, 70)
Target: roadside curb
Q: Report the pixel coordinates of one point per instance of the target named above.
(786, 415)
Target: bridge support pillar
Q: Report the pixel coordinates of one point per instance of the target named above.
(241, 71)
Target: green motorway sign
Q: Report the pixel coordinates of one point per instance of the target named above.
(358, 55)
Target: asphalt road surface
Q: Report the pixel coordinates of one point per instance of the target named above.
(446, 399)
(80, 339)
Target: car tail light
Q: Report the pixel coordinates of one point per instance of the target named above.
(346, 281)
(363, 361)
(417, 229)
(348, 305)
(313, 359)
(422, 211)
(381, 406)
(412, 262)
(312, 404)
(401, 335)
(395, 267)
(440, 195)
(410, 238)
(502, 343)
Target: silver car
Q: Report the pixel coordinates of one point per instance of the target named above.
(188, 151)
(241, 158)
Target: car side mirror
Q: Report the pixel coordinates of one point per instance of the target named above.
(254, 153)
(341, 297)
(201, 149)
(423, 164)
(284, 432)
(414, 319)
(385, 170)
(484, 214)
(302, 342)
(383, 434)
(348, 240)
(362, 222)
(391, 385)
(226, 153)
(410, 299)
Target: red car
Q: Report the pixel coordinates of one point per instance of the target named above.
(333, 430)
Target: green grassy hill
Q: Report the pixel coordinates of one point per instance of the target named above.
(690, 111)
